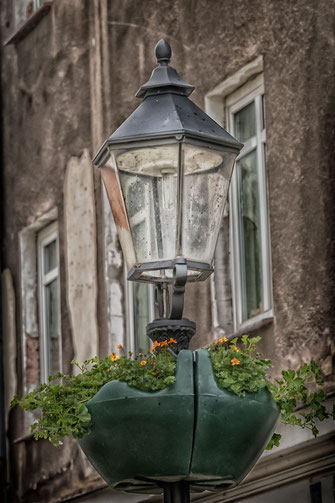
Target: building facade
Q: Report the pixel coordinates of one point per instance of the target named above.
(70, 71)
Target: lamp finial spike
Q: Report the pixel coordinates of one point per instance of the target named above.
(163, 52)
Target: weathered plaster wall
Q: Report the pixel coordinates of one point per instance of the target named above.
(46, 89)
(211, 41)
(72, 81)
(47, 117)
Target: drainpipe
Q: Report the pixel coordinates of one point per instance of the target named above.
(3, 464)
(3, 481)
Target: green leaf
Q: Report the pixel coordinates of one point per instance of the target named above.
(274, 441)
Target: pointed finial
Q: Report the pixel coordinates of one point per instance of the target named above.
(163, 52)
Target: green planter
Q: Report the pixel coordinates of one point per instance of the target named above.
(140, 438)
(231, 432)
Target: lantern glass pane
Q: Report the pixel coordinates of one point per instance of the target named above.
(206, 181)
(149, 183)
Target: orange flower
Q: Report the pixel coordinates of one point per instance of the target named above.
(221, 340)
(143, 362)
(156, 344)
(172, 341)
(119, 346)
(108, 370)
(235, 361)
(152, 349)
(140, 354)
(163, 343)
(114, 358)
(235, 348)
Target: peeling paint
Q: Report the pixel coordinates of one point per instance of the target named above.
(80, 255)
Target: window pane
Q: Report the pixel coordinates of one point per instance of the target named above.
(50, 256)
(263, 111)
(245, 123)
(141, 302)
(250, 237)
(52, 326)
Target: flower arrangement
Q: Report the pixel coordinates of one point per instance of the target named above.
(237, 367)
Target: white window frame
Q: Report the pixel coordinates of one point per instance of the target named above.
(250, 92)
(216, 101)
(46, 236)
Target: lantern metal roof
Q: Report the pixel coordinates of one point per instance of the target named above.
(166, 112)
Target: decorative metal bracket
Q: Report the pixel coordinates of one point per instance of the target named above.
(162, 296)
(170, 324)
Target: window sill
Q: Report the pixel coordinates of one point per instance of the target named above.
(253, 325)
(25, 28)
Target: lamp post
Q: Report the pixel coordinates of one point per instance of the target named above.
(166, 171)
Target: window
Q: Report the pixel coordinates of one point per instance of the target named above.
(249, 219)
(49, 305)
(140, 312)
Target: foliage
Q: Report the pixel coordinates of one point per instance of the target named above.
(237, 369)
(62, 399)
(241, 369)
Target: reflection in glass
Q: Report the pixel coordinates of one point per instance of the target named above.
(52, 329)
(245, 123)
(141, 303)
(250, 237)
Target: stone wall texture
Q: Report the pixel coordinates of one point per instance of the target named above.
(72, 81)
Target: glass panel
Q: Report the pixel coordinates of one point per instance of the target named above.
(50, 256)
(52, 326)
(245, 123)
(149, 182)
(250, 236)
(141, 303)
(206, 182)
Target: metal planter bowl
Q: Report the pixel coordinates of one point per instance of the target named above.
(193, 430)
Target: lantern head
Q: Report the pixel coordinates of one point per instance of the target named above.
(166, 171)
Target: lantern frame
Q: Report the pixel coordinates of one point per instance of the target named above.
(165, 117)
(202, 269)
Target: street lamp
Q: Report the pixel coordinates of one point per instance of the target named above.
(166, 171)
